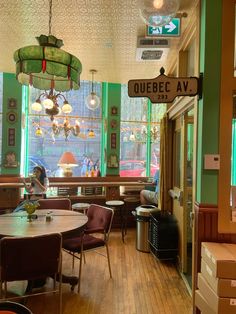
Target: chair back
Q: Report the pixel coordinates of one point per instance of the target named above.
(57, 203)
(99, 217)
(29, 258)
(30, 196)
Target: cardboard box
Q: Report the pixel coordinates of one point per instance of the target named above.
(201, 303)
(222, 287)
(221, 259)
(216, 304)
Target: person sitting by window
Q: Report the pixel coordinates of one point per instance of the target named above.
(38, 183)
(37, 187)
(151, 197)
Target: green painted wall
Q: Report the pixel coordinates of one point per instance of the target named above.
(12, 90)
(208, 106)
(112, 94)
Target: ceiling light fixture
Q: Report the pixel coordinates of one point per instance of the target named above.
(56, 129)
(50, 101)
(47, 66)
(157, 13)
(91, 133)
(66, 127)
(92, 100)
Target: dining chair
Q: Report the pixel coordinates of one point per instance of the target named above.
(13, 307)
(95, 236)
(58, 203)
(31, 258)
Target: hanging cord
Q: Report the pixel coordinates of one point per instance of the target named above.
(92, 80)
(50, 17)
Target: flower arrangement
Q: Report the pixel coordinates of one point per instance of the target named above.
(30, 207)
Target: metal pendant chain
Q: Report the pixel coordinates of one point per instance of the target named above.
(50, 16)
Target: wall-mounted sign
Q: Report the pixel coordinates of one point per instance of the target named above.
(171, 29)
(164, 89)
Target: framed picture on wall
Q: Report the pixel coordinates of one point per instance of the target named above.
(12, 103)
(11, 137)
(114, 111)
(10, 160)
(11, 117)
(113, 140)
(113, 161)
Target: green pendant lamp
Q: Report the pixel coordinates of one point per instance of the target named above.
(47, 66)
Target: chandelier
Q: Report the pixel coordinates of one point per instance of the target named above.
(47, 66)
(92, 100)
(50, 102)
(157, 13)
(56, 129)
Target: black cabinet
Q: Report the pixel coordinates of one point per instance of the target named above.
(163, 235)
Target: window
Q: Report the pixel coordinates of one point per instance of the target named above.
(140, 135)
(47, 149)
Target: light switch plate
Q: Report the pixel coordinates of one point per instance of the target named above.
(212, 162)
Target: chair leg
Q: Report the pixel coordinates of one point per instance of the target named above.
(80, 265)
(73, 260)
(108, 260)
(60, 288)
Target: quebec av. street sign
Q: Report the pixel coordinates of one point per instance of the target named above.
(163, 89)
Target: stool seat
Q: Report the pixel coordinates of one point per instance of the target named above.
(80, 207)
(114, 203)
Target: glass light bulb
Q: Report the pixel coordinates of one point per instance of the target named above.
(92, 101)
(157, 4)
(132, 137)
(36, 106)
(91, 134)
(66, 108)
(48, 103)
(39, 132)
(158, 12)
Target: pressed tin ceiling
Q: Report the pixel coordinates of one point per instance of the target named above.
(101, 33)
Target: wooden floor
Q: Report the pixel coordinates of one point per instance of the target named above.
(140, 285)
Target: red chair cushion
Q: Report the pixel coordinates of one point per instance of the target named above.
(89, 242)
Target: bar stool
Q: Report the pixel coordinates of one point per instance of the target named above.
(80, 207)
(119, 205)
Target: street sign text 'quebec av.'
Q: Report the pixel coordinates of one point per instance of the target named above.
(163, 89)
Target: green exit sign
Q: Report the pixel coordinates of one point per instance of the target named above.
(169, 30)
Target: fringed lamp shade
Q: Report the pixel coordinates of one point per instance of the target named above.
(67, 162)
(47, 66)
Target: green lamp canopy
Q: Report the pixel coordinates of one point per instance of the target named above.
(47, 66)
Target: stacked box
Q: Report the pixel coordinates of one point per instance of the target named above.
(217, 280)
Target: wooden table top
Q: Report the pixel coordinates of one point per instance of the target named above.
(63, 221)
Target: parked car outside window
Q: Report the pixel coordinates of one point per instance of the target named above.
(135, 168)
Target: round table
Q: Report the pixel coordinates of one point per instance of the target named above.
(63, 221)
